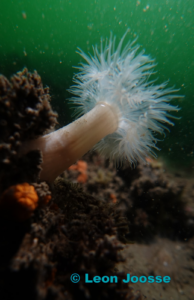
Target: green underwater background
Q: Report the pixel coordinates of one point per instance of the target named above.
(44, 35)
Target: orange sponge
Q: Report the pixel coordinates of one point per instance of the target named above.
(19, 201)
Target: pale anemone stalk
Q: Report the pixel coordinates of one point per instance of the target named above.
(120, 109)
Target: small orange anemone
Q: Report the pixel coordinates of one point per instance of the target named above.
(113, 198)
(19, 201)
(82, 178)
(46, 199)
(80, 166)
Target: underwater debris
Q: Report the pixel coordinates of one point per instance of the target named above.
(82, 235)
(154, 163)
(103, 177)
(19, 201)
(119, 110)
(154, 200)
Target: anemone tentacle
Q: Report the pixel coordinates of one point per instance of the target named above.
(120, 77)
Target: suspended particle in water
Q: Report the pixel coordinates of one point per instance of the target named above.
(146, 8)
(90, 26)
(24, 51)
(24, 15)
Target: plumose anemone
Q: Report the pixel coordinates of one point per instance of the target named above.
(122, 110)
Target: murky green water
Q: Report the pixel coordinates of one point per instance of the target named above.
(44, 35)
